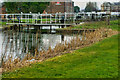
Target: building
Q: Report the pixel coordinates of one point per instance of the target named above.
(2, 8)
(115, 7)
(62, 7)
(110, 7)
(106, 6)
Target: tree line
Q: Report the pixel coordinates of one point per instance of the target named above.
(90, 6)
(25, 7)
(35, 7)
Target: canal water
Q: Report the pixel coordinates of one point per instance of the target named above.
(19, 43)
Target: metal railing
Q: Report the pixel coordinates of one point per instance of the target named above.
(31, 18)
(57, 18)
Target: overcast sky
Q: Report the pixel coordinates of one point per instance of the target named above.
(82, 3)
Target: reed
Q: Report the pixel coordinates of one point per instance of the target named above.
(61, 48)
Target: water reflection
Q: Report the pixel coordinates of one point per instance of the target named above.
(18, 44)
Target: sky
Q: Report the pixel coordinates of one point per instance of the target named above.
(82, 3)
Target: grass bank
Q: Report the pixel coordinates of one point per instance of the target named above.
(95, 25)
(2, 23)
(97, 61)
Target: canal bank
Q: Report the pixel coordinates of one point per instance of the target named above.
(87, 39)
(74, 30)
(76, 53)
(91, 26)
(99, 60)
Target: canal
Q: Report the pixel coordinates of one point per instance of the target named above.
(19, 43)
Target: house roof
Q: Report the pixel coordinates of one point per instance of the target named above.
(107, 3)
(117, 3)
(111, 4)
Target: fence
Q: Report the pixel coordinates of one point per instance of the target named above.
(31, 18)
(57, 18)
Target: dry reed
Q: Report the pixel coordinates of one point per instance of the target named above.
(87, 39)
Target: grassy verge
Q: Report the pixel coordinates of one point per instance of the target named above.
(33, 20)
(2, 23)
(94, 25)
(30, 20)
(97, 61)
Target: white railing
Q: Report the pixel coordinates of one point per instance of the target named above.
(31, 18)
(57, 18)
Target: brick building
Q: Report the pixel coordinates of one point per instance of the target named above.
(112, 7)
(62, 7)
